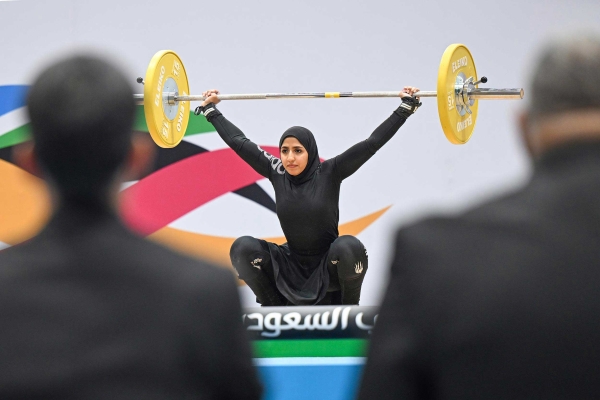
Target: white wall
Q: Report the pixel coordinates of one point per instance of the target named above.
(319, 45)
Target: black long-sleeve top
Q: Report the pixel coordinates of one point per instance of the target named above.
(309, 212)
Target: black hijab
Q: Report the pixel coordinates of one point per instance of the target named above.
(306, 138)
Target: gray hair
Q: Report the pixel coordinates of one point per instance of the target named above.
(566, 76)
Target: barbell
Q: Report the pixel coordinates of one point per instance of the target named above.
(167, 100)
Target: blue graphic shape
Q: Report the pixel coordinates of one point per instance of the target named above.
(12, 97)
(317, 382)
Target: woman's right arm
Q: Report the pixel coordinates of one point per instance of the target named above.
(261, 161)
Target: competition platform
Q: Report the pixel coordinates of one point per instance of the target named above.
(315, 352)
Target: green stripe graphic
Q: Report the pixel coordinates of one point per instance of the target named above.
(197, 125)
(16, 136)
(310, 348)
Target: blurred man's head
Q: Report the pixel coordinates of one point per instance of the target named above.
(82, 112)
(564, 97)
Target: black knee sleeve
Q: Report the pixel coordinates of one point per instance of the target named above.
(349, 256)
(248, 257)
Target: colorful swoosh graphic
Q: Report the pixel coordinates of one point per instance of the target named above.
(25, 208)
(166, 194)
(216, 248)
(159, 199)
(12, 98)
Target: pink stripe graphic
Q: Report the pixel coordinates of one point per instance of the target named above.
(171, 192)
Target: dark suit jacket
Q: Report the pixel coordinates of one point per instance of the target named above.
(89, 310)
(502, 302)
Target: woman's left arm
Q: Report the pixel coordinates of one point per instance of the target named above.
(352, 159)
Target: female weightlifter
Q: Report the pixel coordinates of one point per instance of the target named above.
(316, 265)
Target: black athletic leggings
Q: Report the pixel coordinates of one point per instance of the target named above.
(347, 263)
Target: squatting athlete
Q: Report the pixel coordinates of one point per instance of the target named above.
(316, 265)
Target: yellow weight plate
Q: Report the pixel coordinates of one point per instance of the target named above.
(456, 67)
(166, 122)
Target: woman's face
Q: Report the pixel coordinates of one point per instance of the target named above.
(293, 156)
